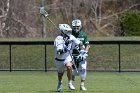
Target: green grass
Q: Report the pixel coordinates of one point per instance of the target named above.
(41, 82)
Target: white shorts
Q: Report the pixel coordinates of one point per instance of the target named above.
(60, 65)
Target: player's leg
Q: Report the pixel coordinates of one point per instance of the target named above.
(60, 71)
(59, 85)
(69, 75)
(83, 65)
(74, 73)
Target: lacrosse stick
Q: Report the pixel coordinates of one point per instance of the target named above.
(69, 50)
(45, 14)
(73, 63)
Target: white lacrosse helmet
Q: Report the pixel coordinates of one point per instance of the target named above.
(65, 29)
(76, 25)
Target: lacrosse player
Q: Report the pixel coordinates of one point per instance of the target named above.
(80, 55)
(63, 44)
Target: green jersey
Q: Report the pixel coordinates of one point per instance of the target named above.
(82, 37)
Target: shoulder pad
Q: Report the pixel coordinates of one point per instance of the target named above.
(59, 38)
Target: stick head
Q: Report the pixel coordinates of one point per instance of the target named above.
(43, 12)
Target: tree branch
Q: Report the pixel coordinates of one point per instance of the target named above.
(117, 13)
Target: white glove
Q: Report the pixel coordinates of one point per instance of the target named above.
(83, 55)
(60, 51)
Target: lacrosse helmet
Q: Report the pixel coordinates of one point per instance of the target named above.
(76, 25)
(65, 29)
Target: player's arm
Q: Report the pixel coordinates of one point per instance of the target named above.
(59, 45)
(83, 52)
(77, 42)
(86, 44)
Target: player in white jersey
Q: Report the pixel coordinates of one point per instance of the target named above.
(64, 44)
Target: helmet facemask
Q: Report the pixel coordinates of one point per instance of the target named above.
(76, 28)
(67, 32)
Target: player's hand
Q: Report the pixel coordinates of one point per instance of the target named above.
(60, 51)
(68, 45)
(83, 55)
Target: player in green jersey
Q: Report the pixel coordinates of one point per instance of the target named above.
(80, 55)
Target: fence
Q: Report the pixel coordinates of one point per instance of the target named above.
(103, 56)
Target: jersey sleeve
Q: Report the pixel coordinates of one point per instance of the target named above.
(86, 42)
(58, 43)
(75, 40)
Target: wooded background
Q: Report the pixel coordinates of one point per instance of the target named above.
(21, 18)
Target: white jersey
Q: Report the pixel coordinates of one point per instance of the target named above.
(59, 43)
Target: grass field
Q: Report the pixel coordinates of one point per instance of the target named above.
(41, 82)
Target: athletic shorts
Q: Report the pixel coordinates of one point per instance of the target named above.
(60, 65)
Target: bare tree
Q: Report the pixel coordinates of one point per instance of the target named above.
(43, 22)
(4, 9)
(21, 18)
(110, 19)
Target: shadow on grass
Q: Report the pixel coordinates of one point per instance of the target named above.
(70, 91)
(51, 91)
